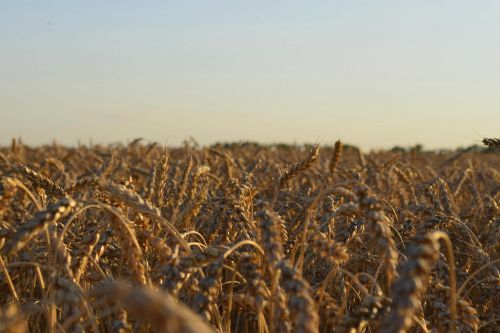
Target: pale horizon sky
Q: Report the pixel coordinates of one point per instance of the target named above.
(372, 73)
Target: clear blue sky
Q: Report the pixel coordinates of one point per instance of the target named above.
(374, 73)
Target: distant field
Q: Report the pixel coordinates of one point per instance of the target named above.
(248, 238)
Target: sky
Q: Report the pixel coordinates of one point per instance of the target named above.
(372, 73)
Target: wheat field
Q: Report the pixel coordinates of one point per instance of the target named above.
(248, 238)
